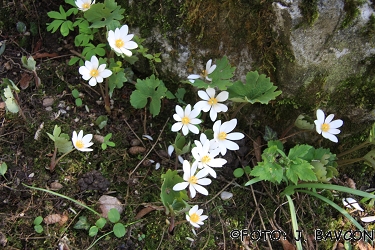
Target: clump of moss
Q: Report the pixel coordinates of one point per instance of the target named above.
(351, 9)
(369, 29)
(309, 11)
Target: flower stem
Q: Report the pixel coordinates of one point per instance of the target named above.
(362, 145)
(54, 162)
(238, 109)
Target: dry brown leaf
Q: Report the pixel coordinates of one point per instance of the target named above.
(364, 245)
(25, 80)
(64, 219)
(350, 183)
(55, 186)
(136, 150)
(52, 219)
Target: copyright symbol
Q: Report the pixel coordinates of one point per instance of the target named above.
(234, 234)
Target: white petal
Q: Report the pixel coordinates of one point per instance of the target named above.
(180, 112)
(368, 219)
(192, 191)
(199, 189)
(193, 210)
(124, 30)
(334, 131)
(185, 129)
(170, 150)
(318, 126)
(92, 81)
(228, 126)
(230, 145)
(351, 203)
(203, 95)
(106, 73)
(208, 64)
(180, 186)
(336, 124)
(193, 77)
(330, 136)
(329, 118)
(192, 128)
(320, 115)
(211, 69)
(235, 136)
(222, 96)
(131, 45)
(202, 105)
(210, 92)
(213, 114)
(177, 126)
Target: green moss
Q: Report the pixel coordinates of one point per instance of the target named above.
(369, 29)
(351, 9)
(309, 11)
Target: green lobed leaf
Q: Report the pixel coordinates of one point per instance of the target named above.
(28, 63)
(298, 151)
(119, 230)
(301, 171)
(116, 80)
(54, 25)
(149, 88)
(267, 171)
(113, 215)
(301, 123)
(168, 195)
(269, 134)
(220, 77)
(258, 88)
(10, 102)
(55, 15)
(63, 145)
(104, 14)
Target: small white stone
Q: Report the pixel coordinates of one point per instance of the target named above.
(226, 195)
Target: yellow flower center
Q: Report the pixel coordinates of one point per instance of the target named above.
(185, 120)
(212, 101)
(222, 136)
(86, 6)
(80, 144)
(119, 43)
(204, 73)
(193, 180)
(94, 72)
(194, 218)
(205, 159)
(325, 127)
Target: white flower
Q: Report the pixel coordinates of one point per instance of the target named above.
(82, 143)
(84, 4)
(186, 120)
(351, 203)
(195, 216)
(213, 144)
(119, 40)
(194, 181)
(206, 159)
(209, 69)
(326, 126)
(210, 102)
(93, 71)
(223, 137)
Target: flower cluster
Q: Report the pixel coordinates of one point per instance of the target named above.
(207, 152)
(119, 40)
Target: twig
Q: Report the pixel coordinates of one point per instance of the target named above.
(152, 148)
(135, 133)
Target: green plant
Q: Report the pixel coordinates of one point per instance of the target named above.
(76, 95)
(152, 88)
(3, 169)
(118, 229)
(37, 227)
(10, 96)
(106, 142)
(30, 64)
